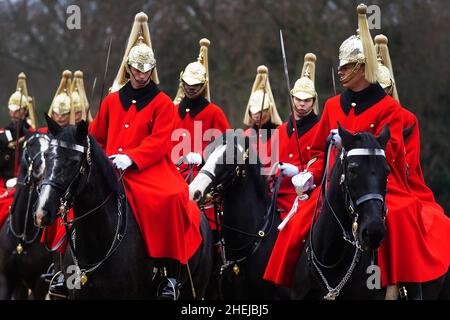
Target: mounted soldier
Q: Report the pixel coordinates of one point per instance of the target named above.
(261, 116)
(404, 255)
(433, 218)
(134, 126)
(295, 203)
(201, 120)
(12, 137)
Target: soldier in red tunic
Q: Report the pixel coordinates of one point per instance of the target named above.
(261, 116)
(297, 206)
(198, 120)
(434, 220)
(406, 254)
(23, 117)
(134, 126)
(294, 149)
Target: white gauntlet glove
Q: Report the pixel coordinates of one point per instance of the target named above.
(11, 183)
(194, 158)
(288, 170)
(121, 161)
(303, 182)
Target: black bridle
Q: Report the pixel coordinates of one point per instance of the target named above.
(66, 203)
(351, 206)
(30, 182)
(217, 190)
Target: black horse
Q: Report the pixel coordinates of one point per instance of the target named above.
(106, 245)
(248, 223)
(339, 260)
(22, 258)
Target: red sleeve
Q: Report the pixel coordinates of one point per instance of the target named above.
(99, 126)
(157, 144)
(412, 145)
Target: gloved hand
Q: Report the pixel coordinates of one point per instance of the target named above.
(11, 183)
(194, 158)
(121, 161)
(287, 169)
(336, 138)
(303, 182)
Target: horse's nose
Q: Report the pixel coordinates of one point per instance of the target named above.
(371, 239)
(41, 218)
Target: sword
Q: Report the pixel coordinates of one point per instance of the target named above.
(104, 75)
(334, 80)
(291, 103)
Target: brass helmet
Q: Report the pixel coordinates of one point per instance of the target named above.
(385, 71)
(61, 103)
(261, 97)
(32, 116)
(19, 99)
(304, 87)
(360, 49)
(138, 53)
(196, 72)
(79, 99)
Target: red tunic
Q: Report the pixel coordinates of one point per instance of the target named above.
(433, 216)
(288, 153)
(6, 199)
(139, 123)
(198, 122)
(407, 252)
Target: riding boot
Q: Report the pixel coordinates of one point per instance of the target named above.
(169, 286)
(58, 287)
(410, 291)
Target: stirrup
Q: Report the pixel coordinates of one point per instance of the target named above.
(58, 288)
(168, 289)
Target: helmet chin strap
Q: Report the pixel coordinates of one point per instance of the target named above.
(146, 81)
(352, 74)
(202, 89)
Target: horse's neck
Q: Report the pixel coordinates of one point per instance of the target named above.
(327, 238)
(95, 232)
(245, 207)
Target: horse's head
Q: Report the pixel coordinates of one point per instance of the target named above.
(33, 156)
(364, 181)
(65, 161)
(228, 155)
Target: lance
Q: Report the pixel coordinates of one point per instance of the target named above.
(291, 103)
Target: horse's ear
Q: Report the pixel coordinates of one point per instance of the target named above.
(53, 127)
(82, 131)
(384, 136)
(346, 137)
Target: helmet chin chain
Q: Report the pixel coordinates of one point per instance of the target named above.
(199, 93)
(352, 74)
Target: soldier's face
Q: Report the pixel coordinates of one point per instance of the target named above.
(351, 78)
(61, 119)
(256, 117)
(302, 107)
(138, 78)
(78, 115)
(193, 91)
(17, 115)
